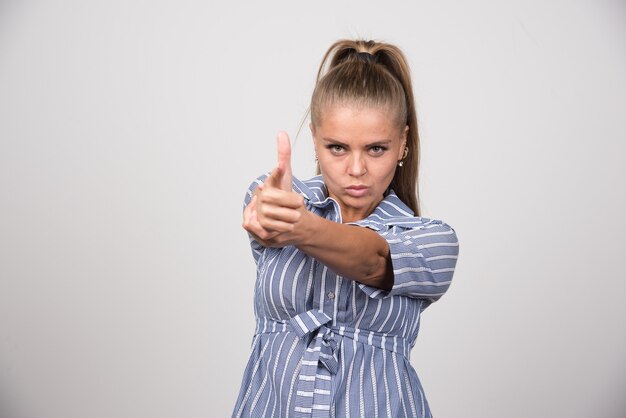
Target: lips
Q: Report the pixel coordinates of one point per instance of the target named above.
(357, 191)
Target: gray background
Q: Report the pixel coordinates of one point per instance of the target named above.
(130, 129)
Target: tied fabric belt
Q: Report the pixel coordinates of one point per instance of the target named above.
(321, 358)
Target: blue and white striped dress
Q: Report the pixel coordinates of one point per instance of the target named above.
(327, 346)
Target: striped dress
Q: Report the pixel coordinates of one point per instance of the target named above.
(327, 346)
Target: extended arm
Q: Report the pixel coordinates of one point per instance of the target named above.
(276, 217)
(354, 252)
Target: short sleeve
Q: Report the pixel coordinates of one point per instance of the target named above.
(423, 260)
(257, 249)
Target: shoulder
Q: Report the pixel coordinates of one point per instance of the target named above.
(314, 188)
(252, 187)
(393, 213)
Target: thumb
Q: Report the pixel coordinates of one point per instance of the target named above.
(284, 160)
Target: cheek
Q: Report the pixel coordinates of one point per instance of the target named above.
(386, 173)
(325, 170)
(387, 167)
(331, 166)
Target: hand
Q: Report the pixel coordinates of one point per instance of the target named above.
(275, 214)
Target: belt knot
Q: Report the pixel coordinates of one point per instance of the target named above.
(323, 342)
(328, 350)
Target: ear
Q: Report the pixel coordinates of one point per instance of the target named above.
(403, 139)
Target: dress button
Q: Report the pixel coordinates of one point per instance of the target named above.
(331, 295)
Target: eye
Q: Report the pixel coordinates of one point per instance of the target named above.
(336, 149)
(377, 150)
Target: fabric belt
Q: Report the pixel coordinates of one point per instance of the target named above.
(321, 358)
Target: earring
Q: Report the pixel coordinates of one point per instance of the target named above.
(406, 152)
(316, 160)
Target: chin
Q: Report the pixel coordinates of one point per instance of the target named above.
(360, 202)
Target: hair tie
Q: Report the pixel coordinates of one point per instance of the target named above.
(367, 57)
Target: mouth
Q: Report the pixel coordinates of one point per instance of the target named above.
(357, 191)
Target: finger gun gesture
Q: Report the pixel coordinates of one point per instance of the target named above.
(274, 215)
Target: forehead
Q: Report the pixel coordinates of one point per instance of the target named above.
(357, 123)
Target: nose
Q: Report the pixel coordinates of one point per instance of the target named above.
(356, 166)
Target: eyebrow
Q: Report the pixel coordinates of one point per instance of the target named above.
(371, 144)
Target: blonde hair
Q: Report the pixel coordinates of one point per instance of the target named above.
(368, 73)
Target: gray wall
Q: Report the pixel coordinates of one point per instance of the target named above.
(130, 129)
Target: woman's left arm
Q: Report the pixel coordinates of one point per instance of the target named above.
(351, 251)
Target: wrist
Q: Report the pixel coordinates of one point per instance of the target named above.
(307, 229)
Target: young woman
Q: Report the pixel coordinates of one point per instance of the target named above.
(345, 263)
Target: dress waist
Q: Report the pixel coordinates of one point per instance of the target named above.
(321, 359)
(307, 323)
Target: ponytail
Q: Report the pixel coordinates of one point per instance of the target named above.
(373, 74)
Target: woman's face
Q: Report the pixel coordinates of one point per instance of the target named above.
(358, 149)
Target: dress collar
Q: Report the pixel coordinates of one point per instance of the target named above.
(390, 211)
